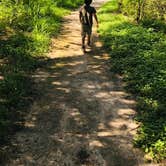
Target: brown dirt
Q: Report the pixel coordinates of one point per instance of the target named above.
(84, 117)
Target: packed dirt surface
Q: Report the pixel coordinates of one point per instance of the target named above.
(84, 117)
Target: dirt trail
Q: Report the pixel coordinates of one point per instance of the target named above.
(84, 116)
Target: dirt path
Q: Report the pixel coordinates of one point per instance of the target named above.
(84, 116)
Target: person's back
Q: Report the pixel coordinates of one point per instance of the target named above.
(86, 15)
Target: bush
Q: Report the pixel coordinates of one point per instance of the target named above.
(139, 54)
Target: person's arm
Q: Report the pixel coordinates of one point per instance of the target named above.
(96, 19)
(80, 16)
(95, 16)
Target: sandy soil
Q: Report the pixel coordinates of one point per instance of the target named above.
(84, 117)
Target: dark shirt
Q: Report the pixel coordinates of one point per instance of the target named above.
(90, 10)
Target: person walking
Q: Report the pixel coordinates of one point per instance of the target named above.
(86, 15)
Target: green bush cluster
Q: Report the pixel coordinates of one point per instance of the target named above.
(139, 54)
(26, 27)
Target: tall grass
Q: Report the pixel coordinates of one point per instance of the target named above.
(139, 54)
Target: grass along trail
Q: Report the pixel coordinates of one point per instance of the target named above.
(84, 116)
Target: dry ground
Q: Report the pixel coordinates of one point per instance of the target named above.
(84, 116)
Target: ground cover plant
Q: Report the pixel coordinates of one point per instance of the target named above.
(139, 53)
(26, 27)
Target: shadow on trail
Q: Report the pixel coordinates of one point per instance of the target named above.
(96, 106)
(83, 103)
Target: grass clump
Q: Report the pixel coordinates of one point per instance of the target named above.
(139, 54)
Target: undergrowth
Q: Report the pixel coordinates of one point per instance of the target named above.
(139, 53)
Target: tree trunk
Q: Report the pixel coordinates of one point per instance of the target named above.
(120, 3)
(138, 11)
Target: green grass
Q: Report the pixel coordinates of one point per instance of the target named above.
(139, 54)
(25, 33)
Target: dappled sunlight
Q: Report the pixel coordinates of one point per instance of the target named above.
(95, 66)
(76, 63)
(108, 133)
(100, 58)
(57, 83)
(101, 126)
(75, 113)
(117, 93)
(41, 74)
(61, 64)
(29, 158)
(31, 123)
(84, 107)
(127, 111)
(98, 44)
(83, 110)
(102, 95)
(1, 78)
(60, 54)
(122, 124)
(67, 45)
(90, 86)
(64, 89)
(129, 102)
(97, 71)
(96, 143)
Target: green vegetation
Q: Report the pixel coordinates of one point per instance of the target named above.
(25, 30)
(142, 10)
(139, 53)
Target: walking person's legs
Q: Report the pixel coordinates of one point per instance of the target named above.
(86, 32)
(89, 32)
(83, 42)
(89, 40)
(83, 35)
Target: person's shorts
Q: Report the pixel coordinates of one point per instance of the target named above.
(86, 29)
